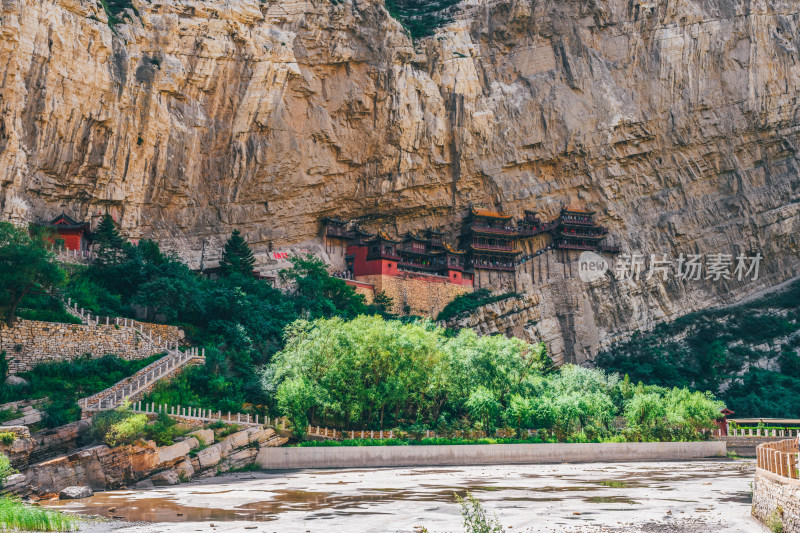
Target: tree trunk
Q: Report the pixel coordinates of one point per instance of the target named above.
(12, 308)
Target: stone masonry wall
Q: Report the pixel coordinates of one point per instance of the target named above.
(365, 289)
(31, 342)
(416, 294)
(776, 497)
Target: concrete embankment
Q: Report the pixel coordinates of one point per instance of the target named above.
(462, 455)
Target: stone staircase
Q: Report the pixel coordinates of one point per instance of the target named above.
(142, 381)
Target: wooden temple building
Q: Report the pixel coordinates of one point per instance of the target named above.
(577, 230)
(425, 254)
(489, 237)
(75, 235)
(492, 245)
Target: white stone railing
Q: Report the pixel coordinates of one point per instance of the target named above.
(130, 387)
(82, 257)
(360, 434)
(86, 318)
(196, 414)
(759, 432)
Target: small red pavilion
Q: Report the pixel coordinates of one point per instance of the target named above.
(74, 234)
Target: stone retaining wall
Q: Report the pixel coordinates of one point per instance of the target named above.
(416, 294)
(777, 498)
(32, 342)
(478, 454)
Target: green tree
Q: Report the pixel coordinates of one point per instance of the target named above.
(382, 303)
(26, 267)
(109, 244)
(645, 409)
(483, 408)
(317, 293)
(295, 398)
(237, 258)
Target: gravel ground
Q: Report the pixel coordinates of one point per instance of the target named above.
(675, 497)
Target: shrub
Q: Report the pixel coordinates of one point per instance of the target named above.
(103, 421)
(465, 303)
(126, 431)
(163, 431)
(7, 438)
(475, 519)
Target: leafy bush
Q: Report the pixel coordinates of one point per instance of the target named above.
(377, 373)
(163, 431)
(465, 303)
(103, 421)
(373, 373)
(7, 438)
(126, 431)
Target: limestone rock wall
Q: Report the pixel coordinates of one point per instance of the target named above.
(104, 468)
(676, 121)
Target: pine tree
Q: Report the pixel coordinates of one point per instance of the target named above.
(237, 256)
(109, 242)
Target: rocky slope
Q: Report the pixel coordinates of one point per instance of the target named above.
(675, 120)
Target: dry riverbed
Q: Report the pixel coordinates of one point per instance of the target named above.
(691, 497)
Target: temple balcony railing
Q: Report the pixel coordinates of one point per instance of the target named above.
(383, 255)
(610, 248)
(504, 230)
(576, 246)
(411, 264)
(479, 246)
(342, 233)
(580, 222)
(487, 266)
(584, 235)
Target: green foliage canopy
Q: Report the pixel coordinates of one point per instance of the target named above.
(25, 267)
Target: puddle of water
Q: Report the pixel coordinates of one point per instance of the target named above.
(611, 499)
(739, 497)
(119, 504)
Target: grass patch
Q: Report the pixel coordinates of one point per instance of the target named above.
(466, 303)
(15, 515)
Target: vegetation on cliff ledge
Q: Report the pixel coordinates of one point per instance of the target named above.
(746, 354)
(463, 304)
(421, 18)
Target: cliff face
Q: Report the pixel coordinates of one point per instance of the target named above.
(676, 121)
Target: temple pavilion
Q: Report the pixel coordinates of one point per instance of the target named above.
(76, 235)
(577, 230)
(488, 236)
